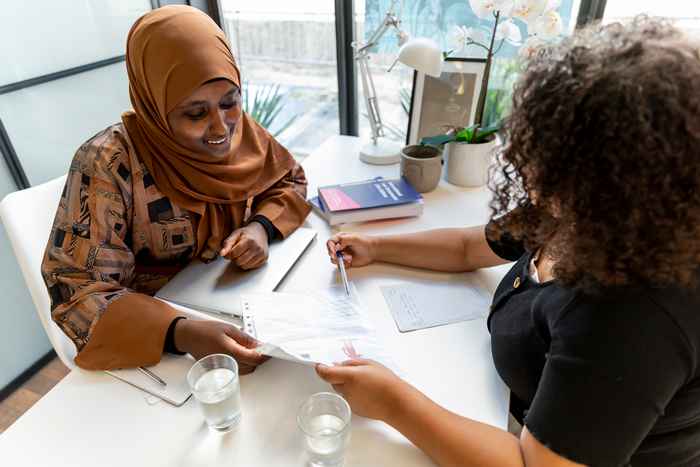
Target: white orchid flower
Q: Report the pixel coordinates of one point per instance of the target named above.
(552, 5)
(547, 26)
(529, 10)
(458, 38)
(509, 31)
(462, 36)
(530, 47)
(485, 9)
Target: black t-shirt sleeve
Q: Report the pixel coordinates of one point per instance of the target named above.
(503, 244)
(609, 375)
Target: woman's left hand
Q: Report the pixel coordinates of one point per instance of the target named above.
(247, 247)
(371, 389)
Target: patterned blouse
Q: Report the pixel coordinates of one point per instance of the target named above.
(117, 239)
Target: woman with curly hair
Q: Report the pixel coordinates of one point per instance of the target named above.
(596, 328)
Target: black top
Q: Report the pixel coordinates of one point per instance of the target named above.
(604, 380)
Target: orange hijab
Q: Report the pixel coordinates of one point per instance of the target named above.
(170, 52)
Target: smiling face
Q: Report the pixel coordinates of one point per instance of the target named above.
(205, 121)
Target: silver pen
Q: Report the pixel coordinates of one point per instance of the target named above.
(152, 375)
(343, 274)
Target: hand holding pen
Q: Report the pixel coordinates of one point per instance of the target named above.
(357, 250)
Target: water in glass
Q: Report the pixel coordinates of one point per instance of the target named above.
(218, 393)
(326, 443)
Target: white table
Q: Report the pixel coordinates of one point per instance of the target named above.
(90, 419)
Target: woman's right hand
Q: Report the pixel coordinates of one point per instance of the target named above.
(358, 250)
(200, 338)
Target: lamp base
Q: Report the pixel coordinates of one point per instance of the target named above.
(384, 152)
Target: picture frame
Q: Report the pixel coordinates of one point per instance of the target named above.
(450, 100)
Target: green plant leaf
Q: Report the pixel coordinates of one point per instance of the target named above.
(265, 105)
(437, 141)
(466, 135)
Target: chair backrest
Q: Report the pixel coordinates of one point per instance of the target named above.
(28, 216)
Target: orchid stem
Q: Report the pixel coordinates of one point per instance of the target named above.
(485, 79)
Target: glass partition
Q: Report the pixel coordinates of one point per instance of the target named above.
(47, 121)
(286, 52)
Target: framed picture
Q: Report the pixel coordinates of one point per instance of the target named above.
(449, 100)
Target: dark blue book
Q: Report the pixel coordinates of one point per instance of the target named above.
(375, 193)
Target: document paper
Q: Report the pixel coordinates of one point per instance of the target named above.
(420, 306)
(312, 327)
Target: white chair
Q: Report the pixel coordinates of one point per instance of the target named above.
(28, 216)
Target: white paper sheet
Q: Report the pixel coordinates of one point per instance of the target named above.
(420, 306)
(311, 327)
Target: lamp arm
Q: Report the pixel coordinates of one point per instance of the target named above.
(390, 21)
(368, 89)
(362, 59)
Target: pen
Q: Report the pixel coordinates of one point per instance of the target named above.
(152, 375)
(343, 274)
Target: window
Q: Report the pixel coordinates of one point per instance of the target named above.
(287, 55)
(685, 14)
(434, 19)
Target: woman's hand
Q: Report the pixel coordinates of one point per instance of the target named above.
(247, 247)
(371, 389)
(200, 338)
(358, 250)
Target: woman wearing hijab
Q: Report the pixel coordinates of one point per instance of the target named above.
(185, 175)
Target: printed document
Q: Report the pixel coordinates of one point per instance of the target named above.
(322, 326)
(420, 306)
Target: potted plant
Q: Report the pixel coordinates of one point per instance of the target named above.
(469, 150)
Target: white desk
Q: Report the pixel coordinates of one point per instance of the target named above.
(90, 419)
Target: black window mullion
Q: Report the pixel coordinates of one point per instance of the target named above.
(347, 84)
(590, 11)
(11, 159)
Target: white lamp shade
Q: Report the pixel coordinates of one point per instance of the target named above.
(422, 54)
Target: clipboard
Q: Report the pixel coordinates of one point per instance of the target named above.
(172, 369)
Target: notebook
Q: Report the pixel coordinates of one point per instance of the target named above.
(172, 369)
(216, 287)
(419, 306)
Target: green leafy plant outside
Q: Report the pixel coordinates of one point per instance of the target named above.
(265, 106)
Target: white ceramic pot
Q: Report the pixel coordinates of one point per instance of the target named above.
(468, 164)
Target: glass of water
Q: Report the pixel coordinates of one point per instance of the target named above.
(214, 383)
(324, 419)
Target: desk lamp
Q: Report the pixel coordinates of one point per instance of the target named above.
(421, 54)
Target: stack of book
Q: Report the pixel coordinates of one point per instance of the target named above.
(367, 200)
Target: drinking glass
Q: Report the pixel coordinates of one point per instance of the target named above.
(214, 383)
(324, 420)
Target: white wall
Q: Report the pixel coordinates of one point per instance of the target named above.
(22, 338)
(47, 123)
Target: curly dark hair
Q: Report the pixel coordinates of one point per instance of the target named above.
(601, 161)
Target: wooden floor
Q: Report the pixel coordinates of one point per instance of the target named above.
(31, 391)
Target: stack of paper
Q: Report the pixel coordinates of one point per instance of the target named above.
(312, 327)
